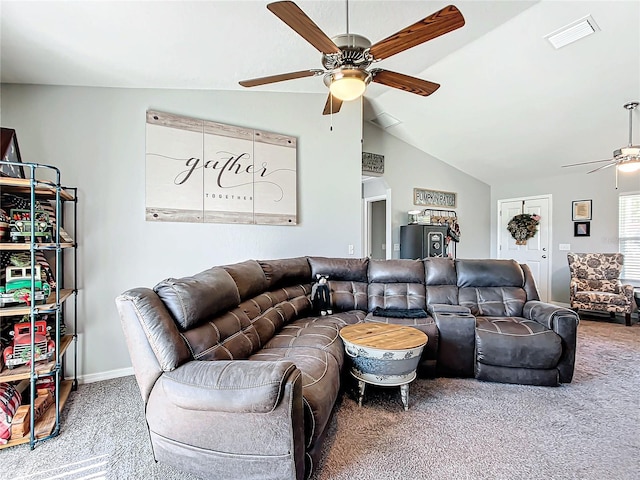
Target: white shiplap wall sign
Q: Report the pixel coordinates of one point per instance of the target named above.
(203, 171)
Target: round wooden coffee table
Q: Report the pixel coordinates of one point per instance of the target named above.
(383, 354)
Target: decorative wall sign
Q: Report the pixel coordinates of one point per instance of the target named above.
(581, 210)
(202, 171)
(372, 162)
(434, 198)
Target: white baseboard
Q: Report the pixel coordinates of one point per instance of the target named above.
(97, 377)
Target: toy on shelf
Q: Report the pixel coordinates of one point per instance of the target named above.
(20, 226)
(17, 285)
(19, 352)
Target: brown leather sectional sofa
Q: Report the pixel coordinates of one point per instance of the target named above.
(239, 376)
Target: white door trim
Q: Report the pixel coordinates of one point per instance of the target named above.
(549, 198)
(366, 220)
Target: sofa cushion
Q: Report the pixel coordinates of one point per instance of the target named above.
(242, 331)
(517, 343)
(493, 301)
(489, 273)
(191, 300)
(320, 335)
(313, 344)
(317, 332)
(287, 271)
(320, 383)
(396, 295)
(396, 271)
(347, 295)
(441, 281)
(440, 271)
(249, 278)
(351, 269)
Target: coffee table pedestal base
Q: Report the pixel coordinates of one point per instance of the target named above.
(404, 390)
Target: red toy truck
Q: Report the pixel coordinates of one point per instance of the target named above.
(19, 352)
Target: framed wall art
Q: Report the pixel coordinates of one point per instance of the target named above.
(10, 153)
(582, 229)
(202, 171)
(372, 163)
(580, 210)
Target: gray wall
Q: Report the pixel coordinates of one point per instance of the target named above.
(406, 168)
(599, 187)
(96, 136)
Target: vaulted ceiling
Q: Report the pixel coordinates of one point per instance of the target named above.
(510, 104)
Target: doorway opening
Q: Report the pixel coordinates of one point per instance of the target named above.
(376, 220)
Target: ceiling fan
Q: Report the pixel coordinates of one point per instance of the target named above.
(625, 159)
(347, 57)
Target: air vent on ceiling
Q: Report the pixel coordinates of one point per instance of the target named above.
(573, 32)
(384, 120)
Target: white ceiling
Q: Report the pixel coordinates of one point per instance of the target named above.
(509, 105)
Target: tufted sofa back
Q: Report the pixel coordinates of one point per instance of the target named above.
(396, 284)
(230, 312)
(441, 281)
(493, 288)
(348, 280)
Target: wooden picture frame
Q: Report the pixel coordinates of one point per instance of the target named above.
(10, 153)
(582, 229)
(580, 210)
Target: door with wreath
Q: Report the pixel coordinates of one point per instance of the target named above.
(524, 235)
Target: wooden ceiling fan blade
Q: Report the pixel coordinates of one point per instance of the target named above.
(586, 163)
(404, 82)
(254, 82)
(336, 104)
(293, 16)
(439, 23)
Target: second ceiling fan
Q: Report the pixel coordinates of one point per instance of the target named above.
(346, 58)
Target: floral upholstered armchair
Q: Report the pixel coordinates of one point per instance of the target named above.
(595, 284)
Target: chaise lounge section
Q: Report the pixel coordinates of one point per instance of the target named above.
(239, 375)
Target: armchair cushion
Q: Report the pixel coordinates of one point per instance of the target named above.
(595, 283)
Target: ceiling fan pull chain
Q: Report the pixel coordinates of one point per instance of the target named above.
(331, 113)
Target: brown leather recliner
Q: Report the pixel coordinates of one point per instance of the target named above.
(239, 375)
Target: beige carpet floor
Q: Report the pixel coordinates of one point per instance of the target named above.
(454, 429)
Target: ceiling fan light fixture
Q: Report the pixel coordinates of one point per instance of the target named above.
(629, 166)
(349, 83)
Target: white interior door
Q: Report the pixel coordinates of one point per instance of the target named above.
(535, 253)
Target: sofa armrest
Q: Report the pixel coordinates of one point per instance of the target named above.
(627, 291)
(446, 308)
(563, 322)
(549, 315)
(457, 343)
(237, 386)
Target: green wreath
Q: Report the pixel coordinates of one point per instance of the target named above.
(523, 227)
